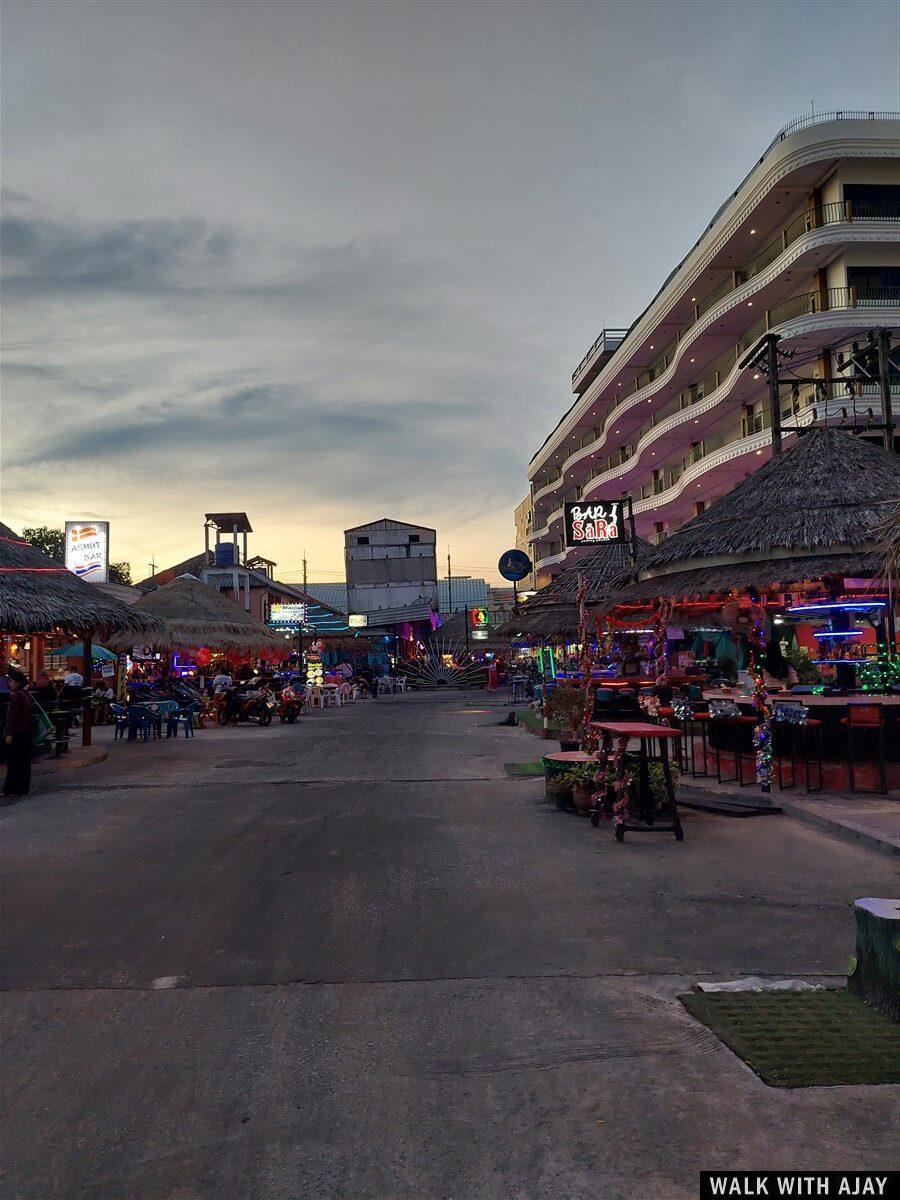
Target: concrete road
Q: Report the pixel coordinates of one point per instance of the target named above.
(352, 959)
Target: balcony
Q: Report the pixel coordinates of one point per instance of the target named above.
(843, 212)
(803, 304)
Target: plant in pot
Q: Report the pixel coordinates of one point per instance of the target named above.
(584, 784)
(565, 705)
(559, 790)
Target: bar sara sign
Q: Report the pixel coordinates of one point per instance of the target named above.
(596, 523)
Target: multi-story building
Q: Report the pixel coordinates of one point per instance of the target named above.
(391, 566)
(808, 246)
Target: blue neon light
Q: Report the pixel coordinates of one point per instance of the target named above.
(837, 633)
(840, 606)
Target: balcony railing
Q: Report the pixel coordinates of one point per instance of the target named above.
(804, 304)
(841, 211)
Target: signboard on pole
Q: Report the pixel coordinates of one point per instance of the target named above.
(87, 550)
(514, 565)
(287, 616)
(480, 618)
(594, 523)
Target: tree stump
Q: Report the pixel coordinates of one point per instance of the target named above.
(875, 971)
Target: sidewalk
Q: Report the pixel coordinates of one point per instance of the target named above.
(873, 821)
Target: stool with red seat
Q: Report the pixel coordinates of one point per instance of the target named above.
(860, 719)
(690, 721)
(794, 729)
(727, 713)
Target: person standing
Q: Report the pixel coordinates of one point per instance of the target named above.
(17, 736)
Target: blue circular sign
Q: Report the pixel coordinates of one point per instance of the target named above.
(514, 565)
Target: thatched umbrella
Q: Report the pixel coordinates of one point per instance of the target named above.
(810, 512)
(189, 615)
(553, 611)
(38, 594)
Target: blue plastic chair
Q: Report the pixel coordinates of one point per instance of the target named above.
(182, 716)
(120, 719)
(141, 721)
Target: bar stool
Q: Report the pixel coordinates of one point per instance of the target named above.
(727, 713)
(865, 717)
(692, 720)
(797, 729)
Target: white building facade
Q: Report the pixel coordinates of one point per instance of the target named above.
(808, 247)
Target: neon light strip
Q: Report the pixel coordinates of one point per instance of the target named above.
(836, 662)
(837, 633)
(843, 606)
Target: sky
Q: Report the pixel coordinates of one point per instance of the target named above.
(328, 262)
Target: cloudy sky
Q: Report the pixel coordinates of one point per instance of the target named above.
(330, 261)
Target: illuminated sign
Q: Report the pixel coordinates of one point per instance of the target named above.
(480, 635)
(514, 565)
(595, 523)
(480, 618)
(358, 620)
(282, 615)
(87, 550)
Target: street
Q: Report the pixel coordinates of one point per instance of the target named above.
(354, 960)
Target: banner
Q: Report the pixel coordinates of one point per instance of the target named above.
(87, 550)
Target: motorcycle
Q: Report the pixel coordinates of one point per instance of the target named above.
(239, 705)
(290, 705)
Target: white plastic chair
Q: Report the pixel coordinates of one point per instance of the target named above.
(386, 685)
(401, 683)
(315, 697)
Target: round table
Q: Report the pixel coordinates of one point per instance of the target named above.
(622, 732)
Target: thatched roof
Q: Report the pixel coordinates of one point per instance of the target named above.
(814, 510)
(553, 611)
(192, 614)
(38, 594)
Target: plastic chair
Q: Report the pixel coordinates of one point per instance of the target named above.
(120, 720)
(400, 683)
(182, 716)
(315, 697)
(142, 721)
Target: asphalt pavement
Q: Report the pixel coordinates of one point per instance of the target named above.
(353, 960)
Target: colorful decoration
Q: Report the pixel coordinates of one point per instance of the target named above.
(880, 673)
(619, 782)
(762, 732)
(662, 613)
(588, 737)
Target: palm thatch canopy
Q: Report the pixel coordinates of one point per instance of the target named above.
(553, 611)
(812, 511)
(38, 594)
(191, 615)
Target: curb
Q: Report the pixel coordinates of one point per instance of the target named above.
(836, 829)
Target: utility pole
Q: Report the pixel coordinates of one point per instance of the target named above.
(884, 378)
(774, 394)
(152, 565)
(304, 570)
(449, 584)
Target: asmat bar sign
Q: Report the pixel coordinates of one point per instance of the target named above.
(594, 524)
(87, 550)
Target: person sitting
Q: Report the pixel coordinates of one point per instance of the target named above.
(102, 698)
(17, 735)
(44, 691)
(777, 671)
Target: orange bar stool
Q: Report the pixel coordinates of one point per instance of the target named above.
(865, 720)
(726, 713)
(794, 730)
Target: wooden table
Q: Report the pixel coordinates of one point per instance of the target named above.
(646, 733)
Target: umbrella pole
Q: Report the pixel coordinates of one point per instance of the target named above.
(87, 680)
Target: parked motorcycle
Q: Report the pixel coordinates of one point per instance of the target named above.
(290, 705)
(238, 704)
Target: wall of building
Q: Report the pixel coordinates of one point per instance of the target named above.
(390, 565)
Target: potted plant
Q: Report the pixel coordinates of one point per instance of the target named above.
(559, 790)
(584, 783)
(565, 709)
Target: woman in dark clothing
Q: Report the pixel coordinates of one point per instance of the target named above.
(17, 736)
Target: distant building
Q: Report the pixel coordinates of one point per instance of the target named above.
(523, 516)
(464, 592)
(391, 569)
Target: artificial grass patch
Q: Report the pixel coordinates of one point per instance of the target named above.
(532, 720)
(803, 1039)
(517, 770)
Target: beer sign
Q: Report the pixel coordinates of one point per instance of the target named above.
(594, 523)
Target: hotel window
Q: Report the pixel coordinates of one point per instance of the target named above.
(362, 541)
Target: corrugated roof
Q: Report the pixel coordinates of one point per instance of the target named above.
(466, 593)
